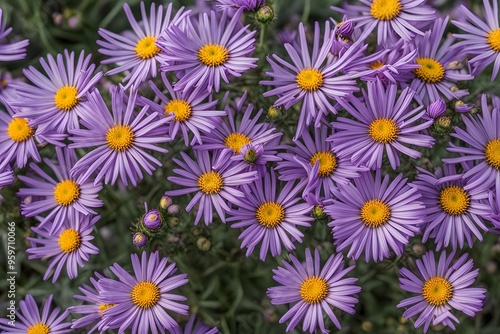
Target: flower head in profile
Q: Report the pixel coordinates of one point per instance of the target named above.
(137, 51)
(62, 197)
(10, 51)
(314, 290)
(270, 215)
(69, 246)
(141, 300)
(56, 100)
(248, 5)
(208, 50)
(194, 326)
(454, 215)
(482, 37)
(122, 137)
(482, 139)
(441, 287)
(382, 123)
(215, 178)
(30, 319)
(374, 215)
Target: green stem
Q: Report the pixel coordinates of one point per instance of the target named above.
(261, 36)
(307, 10)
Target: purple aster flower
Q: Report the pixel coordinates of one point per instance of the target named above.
(139, 239)
(438, 74)
(92, 311)
(234, 133)
(482, 139)
(256, 156)
(120, 137)
(382, 124)
(208, 50)
(374, 215)
(186, 111)
(137, 51)
(63, 197)
(248, 5)
(270, 217)
(6, 177)
(453, 213)
(194, 326)
(314, 291)
(152, 219)
(393, 19)
(56, 101)
(214, 178)
(317, 161)
(17, 139)
(68, 247)
(29, 319)
(142, 299)
(441, 287)
(482, 37)
(309, 79)
(10, 51)
(436, 109)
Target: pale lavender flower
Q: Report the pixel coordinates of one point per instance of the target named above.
(10, 51)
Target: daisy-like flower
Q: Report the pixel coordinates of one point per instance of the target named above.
(186, 111)
(438, 74)
(453, 213)
(214, 179)
(393, 19)
(31, 320)
(143, 299)
(63, 197)
(310, 79)
(17, 139)
(482, 37)
(194, 326)
(68, 247)
(374, 215)
(441, 288)
(120, 137)
(316, 160)
(208, 50)
(137, 51)
(482, 139)
(93, 310)
(270, 217)
(382, 124)
(10, 51)
(56, 101)
(314, 291)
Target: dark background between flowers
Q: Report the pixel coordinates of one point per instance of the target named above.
(225, 288)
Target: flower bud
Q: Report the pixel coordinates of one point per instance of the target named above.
(461, 107)
(264, 14)
(165, 202)
(419, 248)
(442, 124)
(318, 213)
(250, 155)
(174, 210)
(173, 221)
(139, 239)
(275, 113)
(152, 220)
(345, 29)
(203, 244)
(436, 109)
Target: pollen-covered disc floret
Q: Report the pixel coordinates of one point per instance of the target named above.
(120, 137)
(66, 98)
(492, 153)
(145, 294)
(146, 48)
(213, 54)
(313, 290)
(180, 108)
(236, 141)
(383, 130)
(270, 214)
(437, 291)
(327, 162)
(430, 70)
(210, 182)
(454, 200)
(375, 213)
(385, 10)
(310, 79)
(19, 130)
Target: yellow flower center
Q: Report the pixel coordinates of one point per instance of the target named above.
(120, 137)
(38, 328)
(437, 291)
(375, 213)
(66, 192)
(236, 141)
(492, 153)
(19, 130)
(180, 108)
(494, 39)
(69, 240)
(213, 54)
(454, 200)
(210, 182)
(327, 162)
(385, 10)
(314, 289)
(376, 65)
(309, 79)
(430, 70)
(270, 214)
(104, 307)
(383, 130)
(145, 294)
(65, 98)
(146, 48)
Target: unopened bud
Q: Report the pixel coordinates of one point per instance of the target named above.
(249, 155)
(165, 202)
(275, 113)
(462, 107)
(203, 244)
(442, 124)
(174, 210)
(436, 109)
(454, 88)
(173, 221)
(419, 249)
(152, 220)
(345, 29)
(139, 239)
(367, 326)
(264, 14)
(318, 213)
